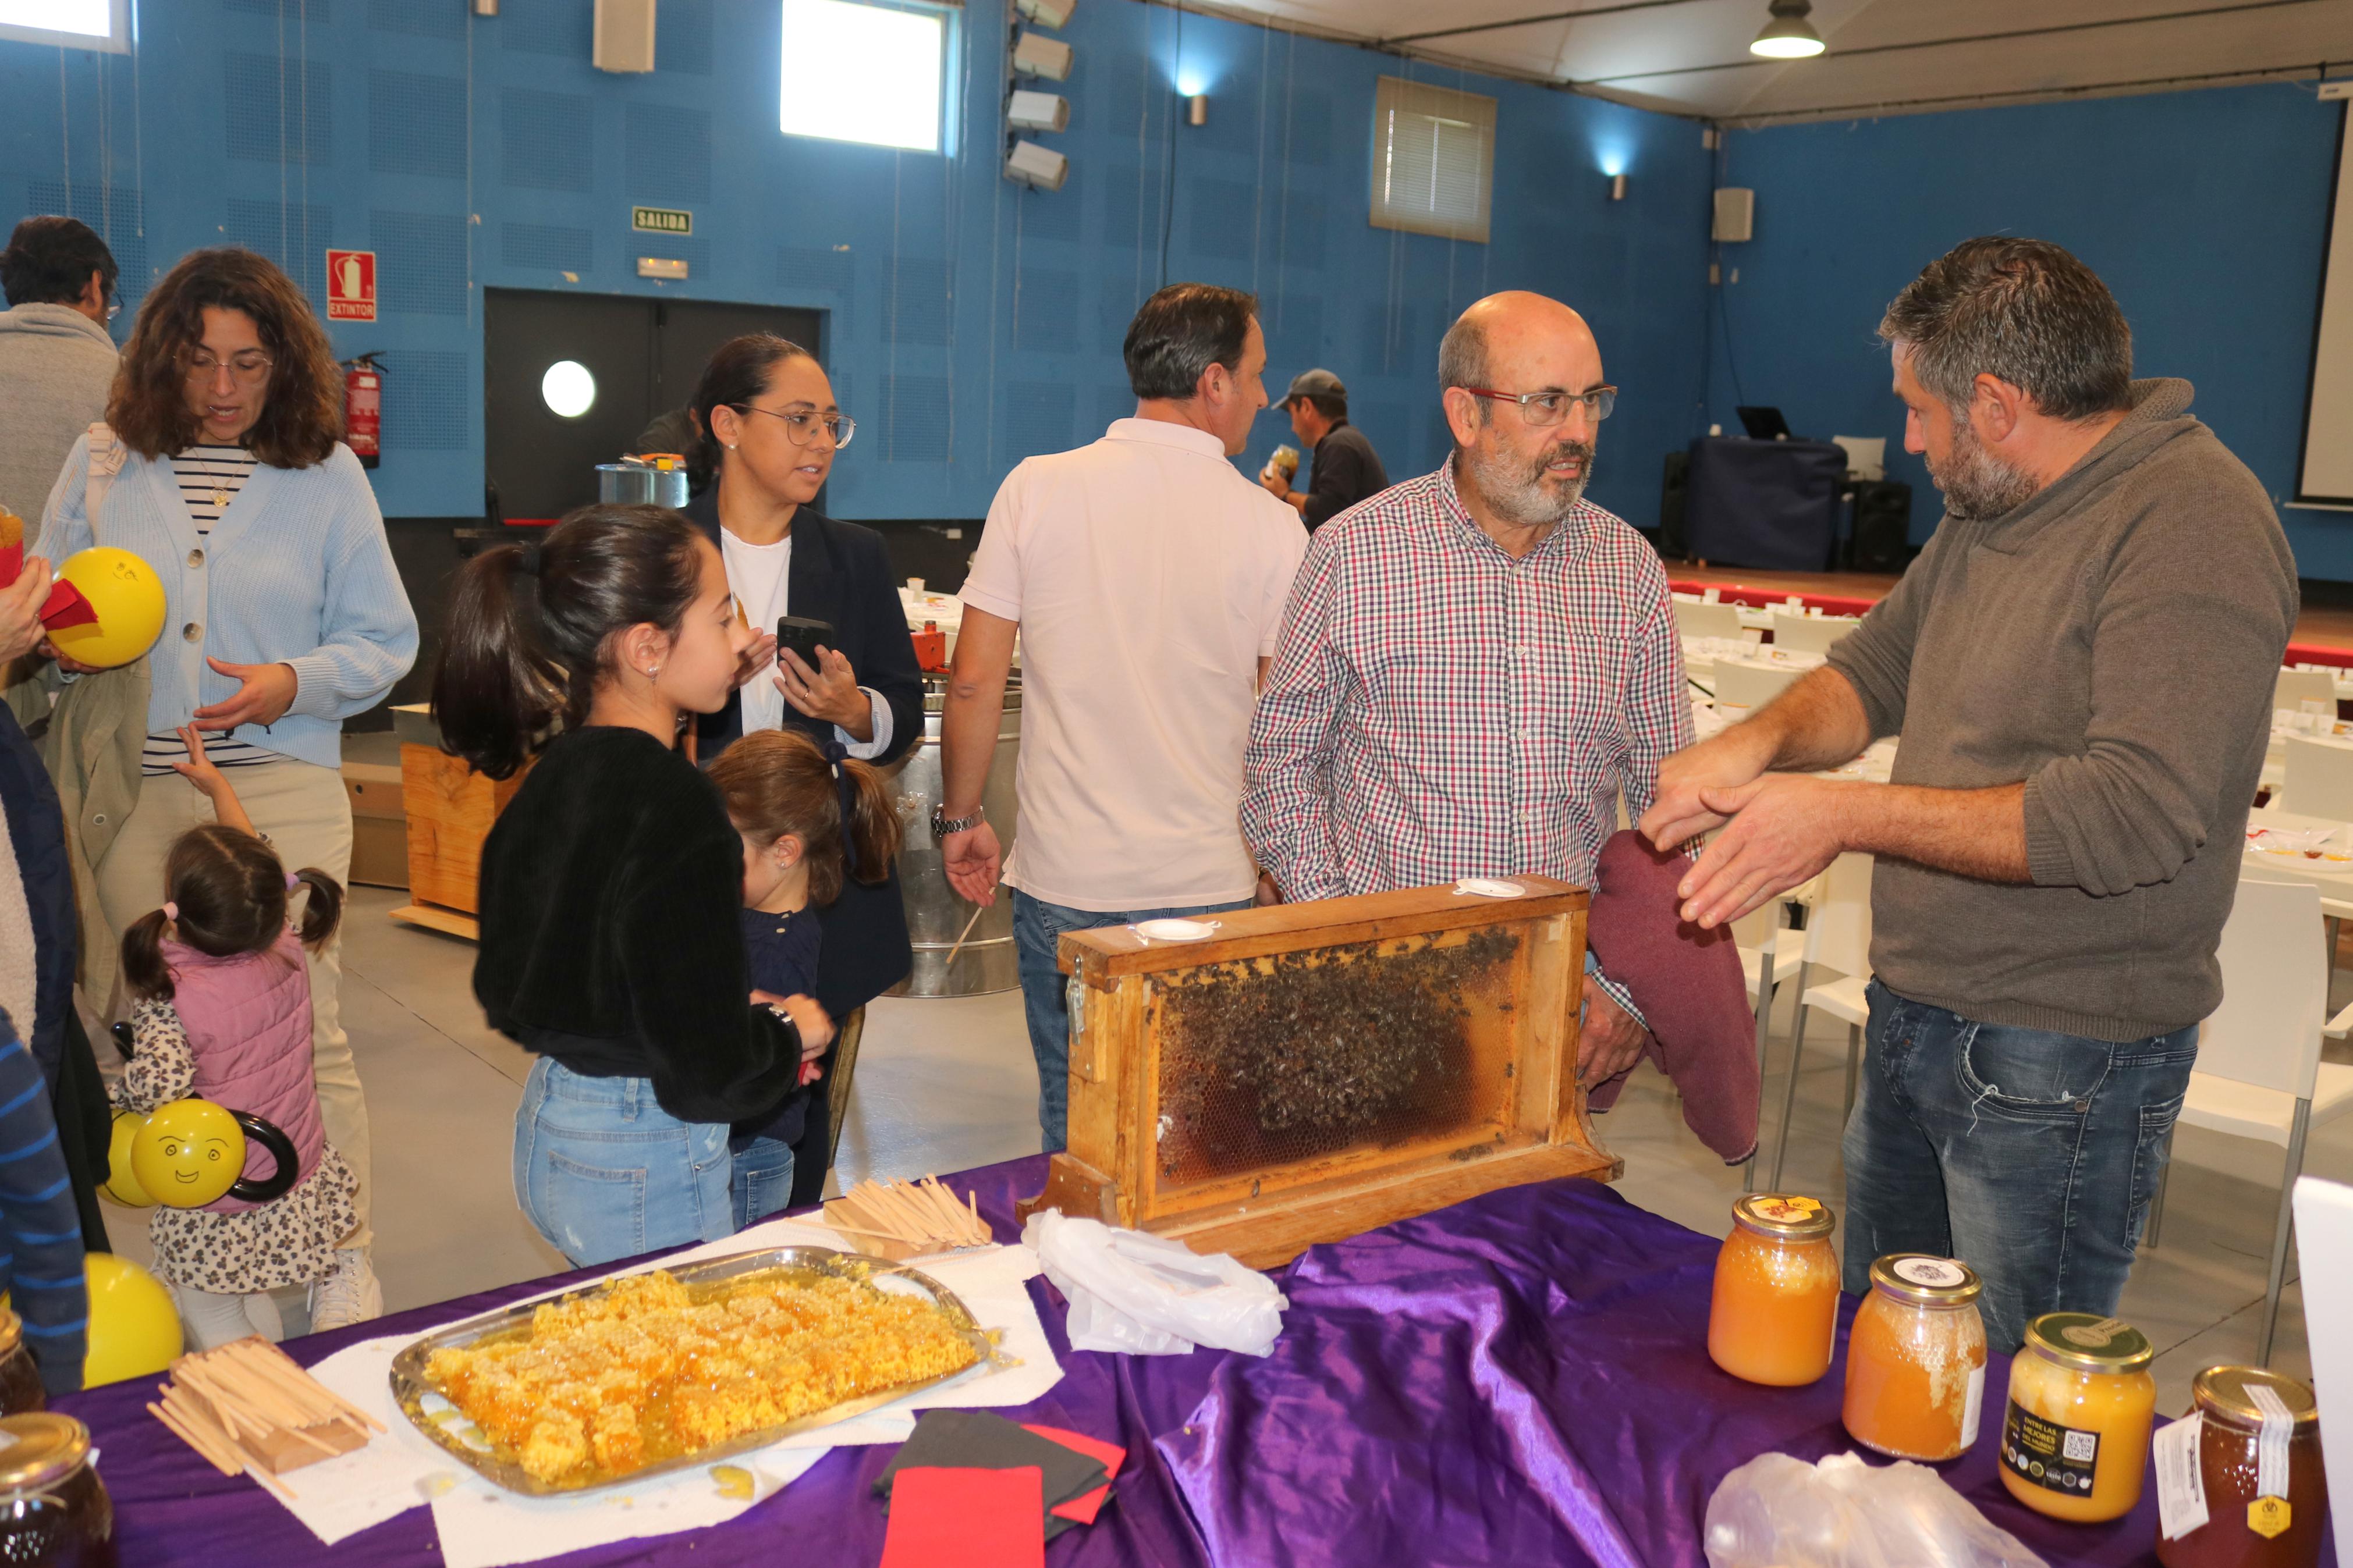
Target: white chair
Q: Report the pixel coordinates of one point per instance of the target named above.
(2259, 1072)
(1700, 619)
(2318, 781)
(2298, 686)
(2324, 1249)
(1810, 634)
(1744, 685)
(1837, 939)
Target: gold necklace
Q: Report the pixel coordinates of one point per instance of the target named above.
(221, 493)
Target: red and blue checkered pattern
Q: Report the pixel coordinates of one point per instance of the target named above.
(1439, 709)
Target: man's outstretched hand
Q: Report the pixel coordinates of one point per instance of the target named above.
(1783, 829)
(1679, 812)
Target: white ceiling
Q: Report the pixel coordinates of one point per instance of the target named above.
(1690, 57)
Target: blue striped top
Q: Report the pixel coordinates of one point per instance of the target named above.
(40, 1229)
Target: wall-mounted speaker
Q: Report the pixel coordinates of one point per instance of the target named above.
(1735, 214)
(625, 35)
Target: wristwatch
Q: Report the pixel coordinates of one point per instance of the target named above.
(944, 826)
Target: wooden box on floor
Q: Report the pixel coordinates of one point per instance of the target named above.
(450, 808)
(1312, 1071)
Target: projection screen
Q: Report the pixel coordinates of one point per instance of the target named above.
(2326, 476)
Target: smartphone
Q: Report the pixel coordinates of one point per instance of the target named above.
(802, 635)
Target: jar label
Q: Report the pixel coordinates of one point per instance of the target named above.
(2045, 1454)
(2093, 1336)
(1975, 1406)
(2180, 1485)
(2269, 1517)
(1785, 1210)
(2271, 1444)
(1934, 1272)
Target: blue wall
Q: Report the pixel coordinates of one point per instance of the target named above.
(972, 322)
(2205, 212)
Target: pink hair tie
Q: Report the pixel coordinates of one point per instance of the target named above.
(292, 881)
(171, 913)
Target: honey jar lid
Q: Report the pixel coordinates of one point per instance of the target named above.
(1785, 1215)
(2089, 1343)
(39, 1449)
(1924, 1280)
(12, 1331)
(2221, 1393)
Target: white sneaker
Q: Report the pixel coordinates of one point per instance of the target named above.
(348, 1295)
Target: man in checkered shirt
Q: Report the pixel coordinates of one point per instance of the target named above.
(1478, 666)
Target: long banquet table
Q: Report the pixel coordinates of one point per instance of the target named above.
(1518, 1379)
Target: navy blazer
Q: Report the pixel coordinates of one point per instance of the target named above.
(840, 573)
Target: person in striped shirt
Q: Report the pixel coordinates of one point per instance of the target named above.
(284, 615)
(40, 1230)
(1479, 667)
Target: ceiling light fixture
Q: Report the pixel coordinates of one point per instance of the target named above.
(1788, 35)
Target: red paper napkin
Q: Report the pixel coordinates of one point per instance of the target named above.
(1082, 1509)
(968, 1518)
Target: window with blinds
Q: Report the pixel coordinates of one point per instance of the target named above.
(1433, 160)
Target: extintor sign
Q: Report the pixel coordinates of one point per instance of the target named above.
(351, 285)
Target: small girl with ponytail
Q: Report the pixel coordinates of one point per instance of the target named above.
(222, 1011)
(805, 821)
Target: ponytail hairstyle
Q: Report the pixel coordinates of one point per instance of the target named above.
(776, 783)
(738, 372)
(227, 896)
(508, 671)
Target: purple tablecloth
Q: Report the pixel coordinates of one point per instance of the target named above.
(1518, 1379)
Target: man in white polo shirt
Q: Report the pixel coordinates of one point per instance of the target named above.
(1146, 577)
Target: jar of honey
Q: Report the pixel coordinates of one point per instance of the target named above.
(1774, 1310)
(54, 1513)
(2075, 1437)
(2262, 1509)
(1916, 1359)
(20, 1380)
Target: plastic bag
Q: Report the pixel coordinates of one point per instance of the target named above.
(1147, 1295)
(1776, 1511)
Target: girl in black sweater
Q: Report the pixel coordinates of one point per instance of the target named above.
(610, 940)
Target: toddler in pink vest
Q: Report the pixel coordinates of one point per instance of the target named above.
(223, 1013)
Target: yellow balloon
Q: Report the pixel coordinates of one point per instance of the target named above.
(129, 599)
(134, 1330)
(190, 1152)
(122, 1182)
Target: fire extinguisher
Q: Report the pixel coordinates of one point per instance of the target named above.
(363, 409)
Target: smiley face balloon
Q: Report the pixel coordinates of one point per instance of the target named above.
(129, 599)
(122, 1181)
(190, 1153)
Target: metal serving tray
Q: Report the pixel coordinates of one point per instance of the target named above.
(414, 1393)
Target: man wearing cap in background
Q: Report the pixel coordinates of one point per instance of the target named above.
(1345, 467)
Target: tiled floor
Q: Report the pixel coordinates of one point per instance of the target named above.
(944, 1085)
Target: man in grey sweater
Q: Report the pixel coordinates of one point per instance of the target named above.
(2081, 665)
(56, 364)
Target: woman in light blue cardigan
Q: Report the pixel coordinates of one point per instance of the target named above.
(219, 465)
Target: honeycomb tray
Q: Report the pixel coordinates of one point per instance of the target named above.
(417, 1398)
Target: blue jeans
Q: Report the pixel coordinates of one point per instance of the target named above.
(1038, 927)
(762, 1181)
(605, 1172)
(2031, 1156)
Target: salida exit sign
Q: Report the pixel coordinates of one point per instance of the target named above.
(661, 220)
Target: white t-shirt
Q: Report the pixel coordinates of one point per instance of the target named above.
(758, 574)
(1148, 577)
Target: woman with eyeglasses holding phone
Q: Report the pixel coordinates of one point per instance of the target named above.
(771, 429)
(221, 465)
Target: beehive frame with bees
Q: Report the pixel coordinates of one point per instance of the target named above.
(1310, 1071)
